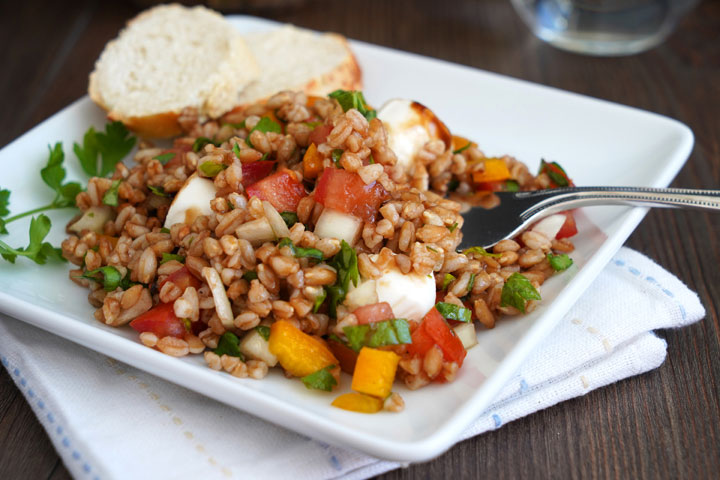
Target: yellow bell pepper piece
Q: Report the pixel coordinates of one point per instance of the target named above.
(299, 354)
(312, 162)
(375, 372)
(358, 402)
(495, 171)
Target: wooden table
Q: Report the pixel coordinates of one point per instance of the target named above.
(664, 424)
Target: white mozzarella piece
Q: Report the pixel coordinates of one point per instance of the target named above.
(191, 201)
(406, 130)
(410, 295)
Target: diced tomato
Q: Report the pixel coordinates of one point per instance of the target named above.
(320, 133)
(346, 356)
(255, 171)
(491, 186)
(377, 312)
(553, 169)
(282, 189)
(182, 278)
(161, 321)
(569, 228)
(345, 191)
(434, 330)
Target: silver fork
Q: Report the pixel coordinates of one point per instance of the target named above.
(518, 210)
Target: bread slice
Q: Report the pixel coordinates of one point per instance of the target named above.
(296, 59)
(168, 58)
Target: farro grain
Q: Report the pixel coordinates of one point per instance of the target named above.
(175, 347)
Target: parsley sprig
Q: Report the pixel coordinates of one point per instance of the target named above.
(101, 151)
(353, 99)
(37, 250)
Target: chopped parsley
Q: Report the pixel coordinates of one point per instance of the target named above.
(463, 148)
(109, 277)
(111, 195)
(447, 280)
(167, 257)
(290, 218)
(512, 186)
(300, 252)
(345, 262)
(200, 143)
(320, 380)
(264, 331)
(559, 262)
(481, 251)
(353, 99)
(159, 191)
(210, 169)
(265, 124)
(453, 227)
(517, 291)
(454, 312)
(555, 172)
(378, 334)
(229, 344)
(250, 275)
(336, 155)
(164, 158)
(319, 300)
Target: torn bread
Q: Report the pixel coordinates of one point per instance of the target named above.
(296, 59)
(168, 58)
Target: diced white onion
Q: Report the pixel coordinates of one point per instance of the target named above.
(466, 333)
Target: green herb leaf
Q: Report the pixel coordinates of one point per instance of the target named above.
(300, 252)
(164, 158)
(290, 218)
(353, 99)
(512, 186)
(517, 291)
(112, 146)
(109, 277)
(371, 160)
(236, 150)
(37, 250)
(463, 148)
(471, 282)
(346, 264)
(200, 143)
(447, 280)
(320, 380)
(167, 257)
(264, 331)
(481, 251)
(313, 124)
(164, 230)
(453, 184)
(319, 300)
(559, 262)
(336, 156)
(454, 312)
(4, 202)
(453, 227)
(229, 345)
(265, 124)
(53, 173)
(250, 275)
(188, 324)
(378, 334)
(431, 249)
(210, 169)
(159, 191)
(111, 195)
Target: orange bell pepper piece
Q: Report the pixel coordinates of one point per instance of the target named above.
(299, 354)
(358, 402)
(495, 170)
(459, 142)
(375, 372)
(312, 162)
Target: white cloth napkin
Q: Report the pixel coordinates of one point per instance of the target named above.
(110, 421)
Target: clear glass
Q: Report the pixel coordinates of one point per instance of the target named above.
(603, 27)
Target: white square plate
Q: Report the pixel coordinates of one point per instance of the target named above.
(599, 143)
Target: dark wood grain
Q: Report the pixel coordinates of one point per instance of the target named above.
(664, 424)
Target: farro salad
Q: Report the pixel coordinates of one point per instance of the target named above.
(315, 235)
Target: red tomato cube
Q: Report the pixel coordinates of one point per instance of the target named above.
(319, 134)
(569, 228)
(182, 278)
(282, 189)
(346, 192)
(255, 171)
(161, 321)
(434, 330)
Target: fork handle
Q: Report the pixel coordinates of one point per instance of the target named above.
(559, 199)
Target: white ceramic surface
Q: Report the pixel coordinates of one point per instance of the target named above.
(599, 143)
